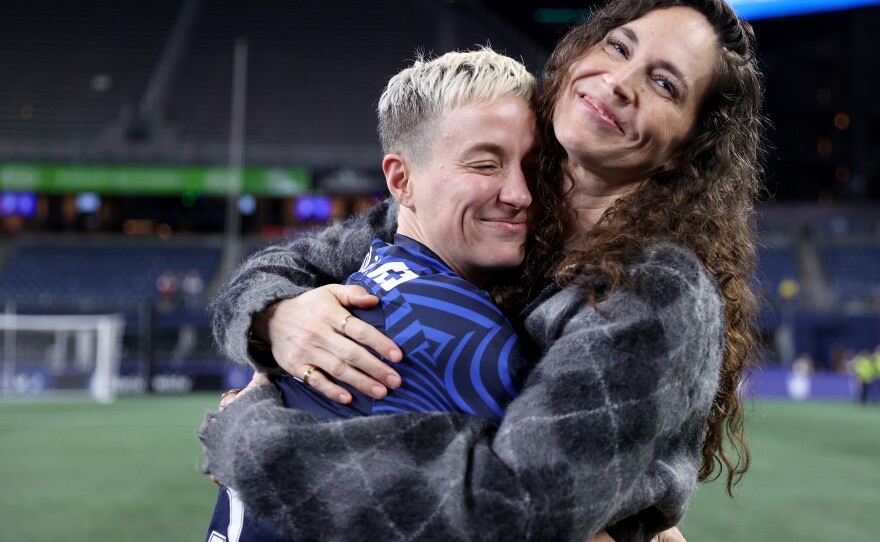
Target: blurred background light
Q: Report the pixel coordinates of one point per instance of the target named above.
(762, 9)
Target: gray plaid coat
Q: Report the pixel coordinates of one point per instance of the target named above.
(606, 433)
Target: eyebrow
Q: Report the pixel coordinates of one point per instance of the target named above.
(484, 147)
(664, 64)
(630, 34)
(497, 150)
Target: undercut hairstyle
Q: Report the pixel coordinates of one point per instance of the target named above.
(705, 204)
(430, 88)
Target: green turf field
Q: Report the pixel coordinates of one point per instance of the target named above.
(78, 471)
(815, 476)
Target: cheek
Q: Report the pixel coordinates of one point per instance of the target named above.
(665, 132)
(557, 124)
(568, 134)
(678, 132)
(563, 115)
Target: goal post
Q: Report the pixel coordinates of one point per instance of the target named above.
(61, 353)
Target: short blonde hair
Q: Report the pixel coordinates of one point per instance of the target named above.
(422, 93)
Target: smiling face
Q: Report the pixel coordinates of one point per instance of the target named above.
(469, 201)
(631, 102)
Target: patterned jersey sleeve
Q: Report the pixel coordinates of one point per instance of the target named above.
(607, 427)
(283, 271)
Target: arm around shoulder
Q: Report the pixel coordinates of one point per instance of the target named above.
(286, 270)
(607, 427)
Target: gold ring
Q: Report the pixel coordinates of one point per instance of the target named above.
(345, 321)
(230, 392)
(308, 373)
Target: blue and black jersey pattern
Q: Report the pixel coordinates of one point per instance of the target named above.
(230, 523)
(461, 354)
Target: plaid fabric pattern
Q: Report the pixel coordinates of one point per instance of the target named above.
(606, 433)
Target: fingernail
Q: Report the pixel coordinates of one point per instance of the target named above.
(378, 391)
(396, 354)
(343, 398)
(393, 381)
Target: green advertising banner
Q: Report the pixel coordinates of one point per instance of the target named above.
(152, 180)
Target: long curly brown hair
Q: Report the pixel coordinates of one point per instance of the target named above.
(706, 204)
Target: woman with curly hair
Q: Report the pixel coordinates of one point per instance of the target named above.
(636, 297)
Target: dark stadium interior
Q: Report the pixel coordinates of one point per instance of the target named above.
(143, 91)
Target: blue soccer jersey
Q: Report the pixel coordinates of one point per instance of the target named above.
(460, 354)
(230, 523)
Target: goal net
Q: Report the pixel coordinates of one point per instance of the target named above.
(60, 354)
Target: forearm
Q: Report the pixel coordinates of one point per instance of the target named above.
(287, 270)
(545, 476)
(332, 481)
(424, 476)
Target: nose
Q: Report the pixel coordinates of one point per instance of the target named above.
(622, 82)
(515, 191)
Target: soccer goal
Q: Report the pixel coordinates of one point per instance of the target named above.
(60, 354)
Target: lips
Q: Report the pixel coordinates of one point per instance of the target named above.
(600, 111)
(505, 223)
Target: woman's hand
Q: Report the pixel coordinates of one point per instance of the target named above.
(314, 329)
(669, 535)
(259, 379)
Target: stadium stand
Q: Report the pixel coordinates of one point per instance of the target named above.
(853, 271)
(301, 100)
(841, 227)
(47, 274)
(832, 251)
(775, 264)
(66, 81)
(71, 90)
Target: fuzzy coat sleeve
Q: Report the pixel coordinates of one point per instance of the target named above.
(283, 271)
(606, 432)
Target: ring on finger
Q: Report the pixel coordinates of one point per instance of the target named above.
(233, 391)
(307, 374)
(344, 322)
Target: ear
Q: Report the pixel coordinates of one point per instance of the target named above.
(397, 170)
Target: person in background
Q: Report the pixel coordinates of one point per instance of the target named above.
(167, 289)
(875, 358)
(193, 286)
(867, 372)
